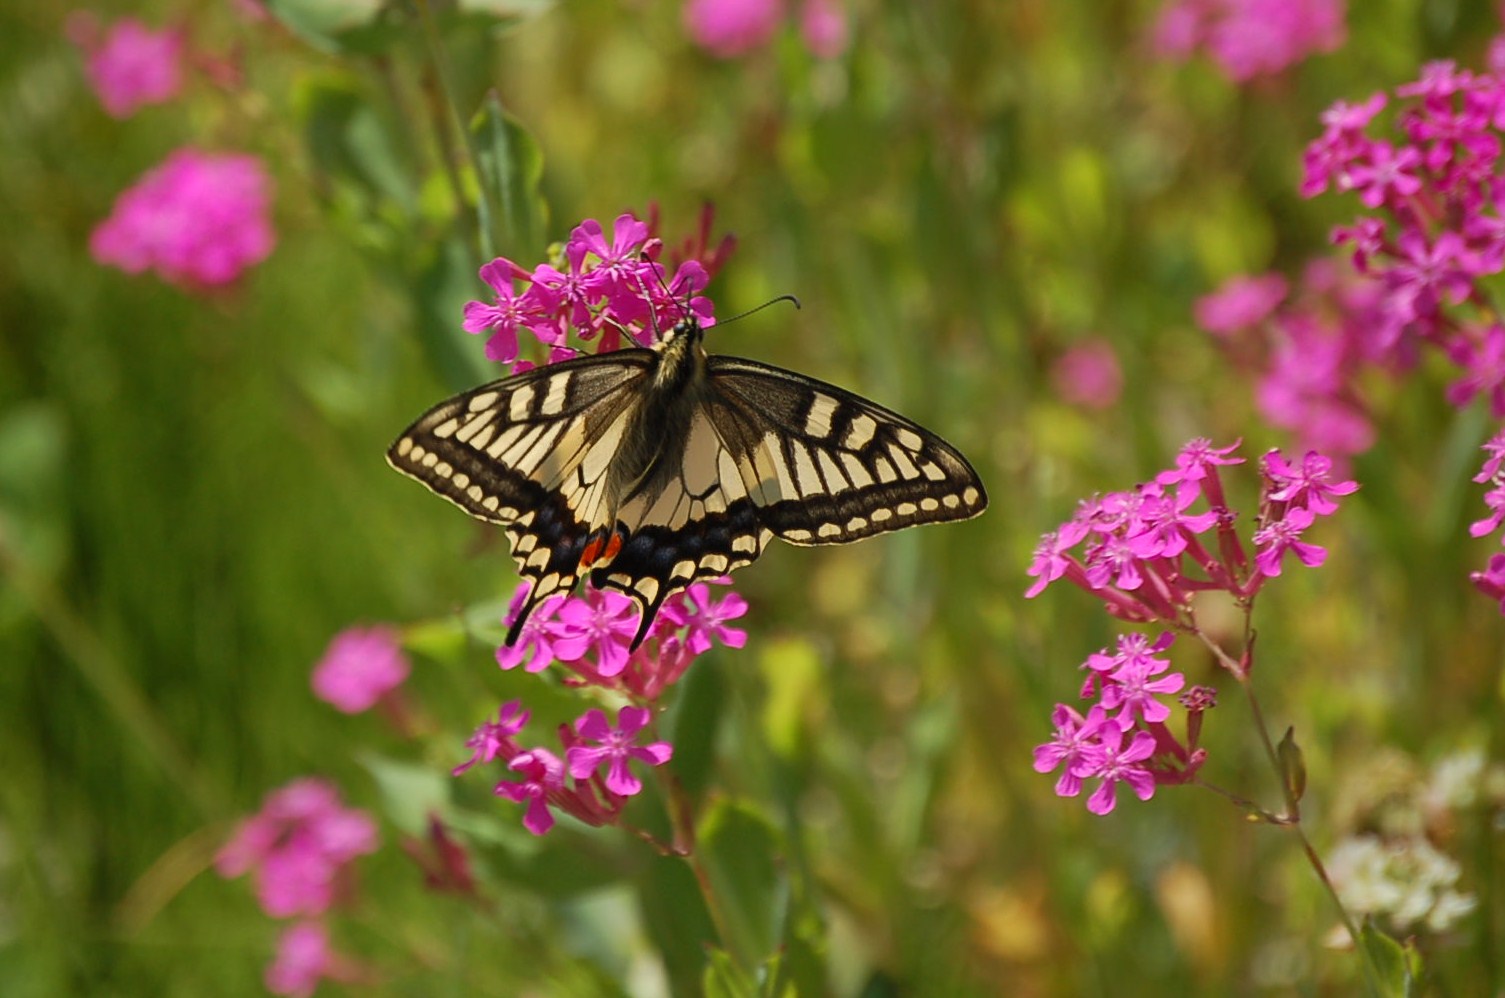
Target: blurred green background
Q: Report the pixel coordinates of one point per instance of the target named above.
(193, 500)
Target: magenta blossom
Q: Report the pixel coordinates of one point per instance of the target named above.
(1249, 38)
(297, 847)
(616, 748)
(199, 220)
(707, 619)
(1074, 734)
(1491, 581)
(1111, 763)
(304, 958)
(729, 28)
(360, 666)
(494, 739)
(542, 774)
(1275, 539)
(534, 648)
(1088, 375)
(132, 65)
(603, 623)
(1240, 304)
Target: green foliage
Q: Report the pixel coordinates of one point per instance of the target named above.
(193, 501)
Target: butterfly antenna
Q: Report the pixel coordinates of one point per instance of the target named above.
(772, 301)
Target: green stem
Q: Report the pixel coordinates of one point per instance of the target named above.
(448, 121)
(103, 671)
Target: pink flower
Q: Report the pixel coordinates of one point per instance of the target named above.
(1308, 487)
(494, 739)
(604, 622)
(1250, 38)
(1241, 303)
(1275, 539)
(1491, 581)
(1483, 363)
(1052, 556)
(304, 958)
(1113, 764)
(296, 848)
(507, 312)
(616, 749)
(729, 28)
(542, 774)
(359, 667)
(199, 220)
(534, 647)
(823, 25)
(707, 620)
(1074, 735)
(1088, 375)
(133, 66)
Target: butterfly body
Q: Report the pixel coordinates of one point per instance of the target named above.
(648, 469)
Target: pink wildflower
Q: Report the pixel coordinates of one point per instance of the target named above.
(542, 774)
(729, 28)
(616, 749)
(199, 220)
(1088, 375)
(494, 739)
(296, 847)
(1241, 303)
(304, 958)
(360, 666)
(132, 66)
(1111, 763)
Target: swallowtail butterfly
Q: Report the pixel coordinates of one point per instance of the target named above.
(649, 469)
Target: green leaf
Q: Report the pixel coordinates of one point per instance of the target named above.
(1393, 968)
(1292, 767)
(513, 213)
(724, 979)
(338, 26)
(676, 919)
(349, 141)
(693, 722)
(410, 793)
(741, 852)
(444, 285)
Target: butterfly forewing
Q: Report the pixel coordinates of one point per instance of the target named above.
(652, 469)
(532, 452)
(828, 467)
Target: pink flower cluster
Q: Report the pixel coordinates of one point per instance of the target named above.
(199, 220)
(1142, 550)
(360, 666)
(1143, 553)
(1491, 581)
(1131, 682)
(591, 636)
(541, 781)
(1249, 38)
(298, 850)
(1434, 227)
(131, 66)
(1309, 352)
(730, 28)
(600, 289)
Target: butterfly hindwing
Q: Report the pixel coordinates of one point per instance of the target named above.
(825, 466)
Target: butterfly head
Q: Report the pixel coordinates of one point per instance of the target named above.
(684, 337)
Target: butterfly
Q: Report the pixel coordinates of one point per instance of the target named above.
(650, 468)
